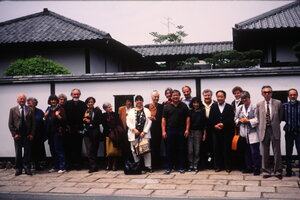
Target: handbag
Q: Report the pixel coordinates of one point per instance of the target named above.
(235, 141)
(132, 167)
(111, 150)
(142, 147)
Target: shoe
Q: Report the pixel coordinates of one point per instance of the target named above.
(18, 172)
(289, 173)
(52, 170)
(196, 169)
(28, 172)
(92, 170)
(167, 171)
(278, 175)
(266, 175)
(228, 171)
(217, 170)
(61, 171)
(181, 171)
(256, 172)
(190, 169)
(150, 170)
(247, 171)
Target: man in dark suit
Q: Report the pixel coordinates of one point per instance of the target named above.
(269, 117)
(21, 124)
(221, 119)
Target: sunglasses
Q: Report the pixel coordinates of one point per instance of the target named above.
(267, 92)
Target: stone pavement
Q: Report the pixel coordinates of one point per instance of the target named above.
(203, 184)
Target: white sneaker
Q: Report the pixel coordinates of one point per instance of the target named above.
(52, 170)
(61, 171)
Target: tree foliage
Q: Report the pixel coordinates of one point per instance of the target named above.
(35, 66)
(296, 49)
(176, 37)
(235, 59)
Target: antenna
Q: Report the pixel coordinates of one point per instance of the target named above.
(168, 23)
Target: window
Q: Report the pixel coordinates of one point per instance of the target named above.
(120, 100)
(281, 95)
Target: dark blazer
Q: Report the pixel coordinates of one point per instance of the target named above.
(14, 121)
(233, 104)
(226, 117)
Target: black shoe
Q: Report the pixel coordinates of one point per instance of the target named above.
(167, 171)
(289, 173)
(217, 170)
(28, 172)
(181, 171)
(228, 171)
(247, 171)
(92, 170)
(18, 172)
(266, 175)
(279, 176)
(256, 172)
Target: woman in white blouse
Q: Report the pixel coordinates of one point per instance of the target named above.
(139, 123)
(246, 119)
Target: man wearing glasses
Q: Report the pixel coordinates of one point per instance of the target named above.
(268, 114)
(291, 116)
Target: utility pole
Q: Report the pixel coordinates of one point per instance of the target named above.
(169, 19)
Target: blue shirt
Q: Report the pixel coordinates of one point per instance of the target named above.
(291, 115)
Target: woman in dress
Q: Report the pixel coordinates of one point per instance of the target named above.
(91, 132)
(38, 152)
(113, 129)
(139, 124)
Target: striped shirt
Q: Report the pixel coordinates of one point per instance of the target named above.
(291, 115)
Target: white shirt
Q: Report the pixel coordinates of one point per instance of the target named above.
(207, 108)
(221, 107)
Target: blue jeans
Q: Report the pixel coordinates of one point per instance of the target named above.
(290, 138)
(57, 151)
(175, 147)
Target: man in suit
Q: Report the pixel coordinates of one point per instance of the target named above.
(269, 117)
(221, 119)
(21, 124)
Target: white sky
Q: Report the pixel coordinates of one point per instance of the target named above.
(130, 22)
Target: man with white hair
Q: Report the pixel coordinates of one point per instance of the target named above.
(21, 124)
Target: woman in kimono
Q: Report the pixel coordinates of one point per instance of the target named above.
(246, 119)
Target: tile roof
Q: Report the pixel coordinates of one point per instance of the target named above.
(286, 16)
(47, 26)
(182, 48)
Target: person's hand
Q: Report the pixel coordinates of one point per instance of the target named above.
(186, 133)
(57, 112)
(204, 137)
(136, 131)
(87, 120)
(30, 137)
(151, 118)
(164, 134)
(142, 134)
(17, 136)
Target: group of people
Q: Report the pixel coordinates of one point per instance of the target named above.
(191, 131)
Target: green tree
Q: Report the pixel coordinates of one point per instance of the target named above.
(176, 37)
(235, 59)
(35, 66)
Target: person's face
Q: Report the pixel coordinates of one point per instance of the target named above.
(109, 109)
(175, 97)
(246, 101)
(186, 92)
(168, 94)
(21, 100)
(76, 95)
(53, 102)
(155, 97)
(220, 98)
(62, 101)
(293, 95)
(207, 97)
(237, 94)
(196, 105)
(30, 104)
(139, 103)
(91, 103)
(267, 93)
(128, 103)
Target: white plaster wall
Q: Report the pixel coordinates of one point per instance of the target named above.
(253, 86)
(10, 92)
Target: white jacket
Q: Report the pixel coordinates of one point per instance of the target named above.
(130, 121)
(248, 131)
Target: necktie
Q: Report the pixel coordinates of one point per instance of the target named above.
(22, 115)
(268, 118)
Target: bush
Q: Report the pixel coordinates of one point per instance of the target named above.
(235, 59)
(35, 66)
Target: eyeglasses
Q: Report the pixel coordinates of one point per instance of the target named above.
(267, 92)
